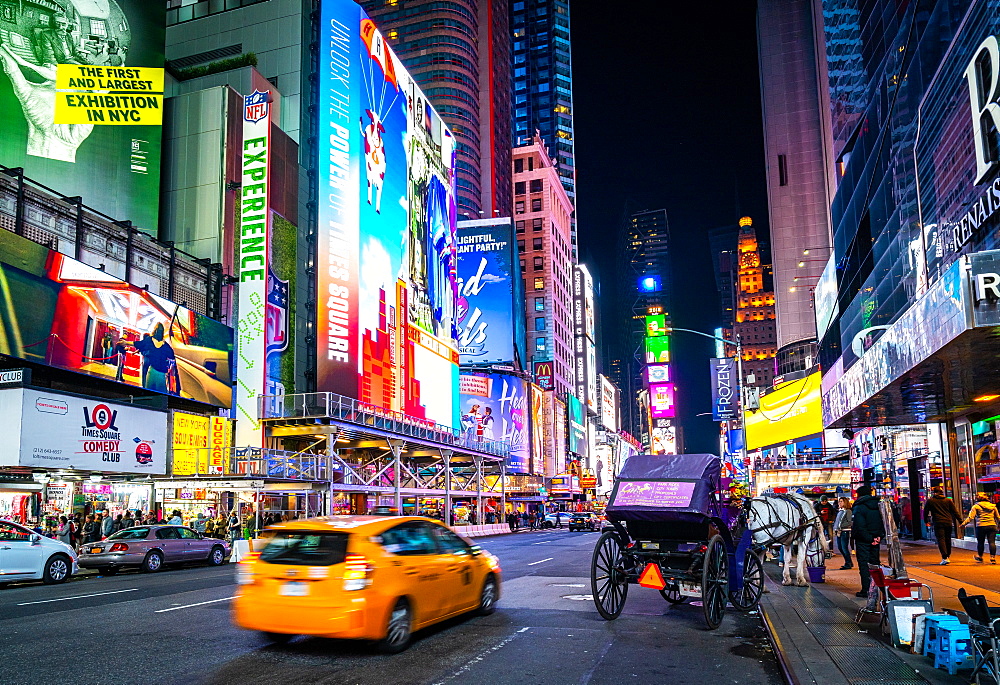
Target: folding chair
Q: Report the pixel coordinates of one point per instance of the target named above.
(888, 589)
(984, 621)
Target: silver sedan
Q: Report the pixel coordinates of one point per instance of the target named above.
(150, 547)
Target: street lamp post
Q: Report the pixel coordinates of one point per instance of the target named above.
(738, 344)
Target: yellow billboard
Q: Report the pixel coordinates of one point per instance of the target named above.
(790, 412)
(200, 444)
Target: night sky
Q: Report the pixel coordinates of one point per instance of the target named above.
(667, 114)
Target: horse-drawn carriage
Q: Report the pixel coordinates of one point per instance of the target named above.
(674, 531)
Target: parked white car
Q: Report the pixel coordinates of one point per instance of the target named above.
(26, 555)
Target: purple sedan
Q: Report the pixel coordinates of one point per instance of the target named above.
(150, 547)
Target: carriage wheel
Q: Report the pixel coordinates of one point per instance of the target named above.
(747, 597)
(608, 576)
(715, 582)
(672, 593)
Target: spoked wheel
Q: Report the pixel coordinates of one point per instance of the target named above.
(715, 582)
(747, 597)
(608, 576)
(672, 593)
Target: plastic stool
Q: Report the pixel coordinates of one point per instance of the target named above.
(954, 648)
(933, 623)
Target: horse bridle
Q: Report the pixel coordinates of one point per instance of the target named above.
(776, 519)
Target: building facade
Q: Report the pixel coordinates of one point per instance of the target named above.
(460, 54)
(542, 226)
(755, 311)
(800, 179)
(543, 83)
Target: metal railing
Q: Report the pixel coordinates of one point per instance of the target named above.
(328, 405)
(838, 459)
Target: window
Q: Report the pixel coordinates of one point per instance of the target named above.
(167, 534)
(306, 548)
(536, 243)
(448, 542)
(520, 246)
(540, 345)
(539, 323)
(8, 531)
(187, 534)
(409, 539)
(539, 283)
(539, 264)
(518, 165)
(130, 534)
(539, 304)
(536, 204)
(536, 224)
(536, 185)
(782, 170)
(522, 265)
(519, 226)
(519, 207)
(519, 188)
(531, 163)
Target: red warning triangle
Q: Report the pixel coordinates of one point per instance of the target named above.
(652, 578)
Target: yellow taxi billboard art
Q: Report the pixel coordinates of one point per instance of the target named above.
(791, 412)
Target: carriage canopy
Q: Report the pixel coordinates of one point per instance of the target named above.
(664, 487)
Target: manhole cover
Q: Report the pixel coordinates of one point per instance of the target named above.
(579, 598)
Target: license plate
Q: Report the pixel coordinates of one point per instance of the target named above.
(690, 590)
(96, 550)
(294, 589)
(650, 545)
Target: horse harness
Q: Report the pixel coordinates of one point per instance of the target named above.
(776, 518)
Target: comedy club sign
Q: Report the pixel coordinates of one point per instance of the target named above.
(69, 432)
(254, 248)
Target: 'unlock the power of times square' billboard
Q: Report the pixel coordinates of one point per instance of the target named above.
(81, 100)
(387, 321)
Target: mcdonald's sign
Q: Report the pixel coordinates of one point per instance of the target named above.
(544, 375)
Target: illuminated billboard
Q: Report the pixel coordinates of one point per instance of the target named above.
(658, 373)
(495, 407)
(661, 401)
(386, 272)
(790, 412)
(490, 293)
(658, 350)
(81, 100)
(63, 313)
(577, 426)
(656, 326)
(609, 404)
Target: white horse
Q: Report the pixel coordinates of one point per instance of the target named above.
(787, 520)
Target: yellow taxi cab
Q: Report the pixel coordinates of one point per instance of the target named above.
(367, 577)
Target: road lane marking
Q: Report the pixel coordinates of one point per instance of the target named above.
(197, 604)
(534, 563)
(544, 542)
(63, 599)
(482, 655)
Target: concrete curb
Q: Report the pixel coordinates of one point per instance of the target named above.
(779, 649)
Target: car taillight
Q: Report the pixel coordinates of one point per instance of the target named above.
(245, 574)
(357, 572)
(119, 547)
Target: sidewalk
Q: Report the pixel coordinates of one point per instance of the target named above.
(818, 642)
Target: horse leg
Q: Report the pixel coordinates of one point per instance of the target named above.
(786, 575)
(800, 566)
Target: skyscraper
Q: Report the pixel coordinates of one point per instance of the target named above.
(543, 83)
(459, 54)
(800, 181)
(542, 212)
(755, 309)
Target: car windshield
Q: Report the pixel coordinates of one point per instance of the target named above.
(305, 548)
(130, 534)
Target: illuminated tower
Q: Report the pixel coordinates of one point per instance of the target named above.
(755, 309)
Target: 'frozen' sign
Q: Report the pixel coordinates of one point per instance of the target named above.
(647, 493)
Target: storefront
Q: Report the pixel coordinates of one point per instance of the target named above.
(20, 498)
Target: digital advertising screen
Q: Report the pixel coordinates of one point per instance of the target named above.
(66, 314)
(577, 426)
(488, 289)
(661, 401)
(81, 100)
(609, 404)
(658, 373)
(656, 326)
(387, 263)
(658, 350)
(792, 411)
(495, 407)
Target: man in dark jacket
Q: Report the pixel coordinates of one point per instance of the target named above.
(942, 513)
(868, 531)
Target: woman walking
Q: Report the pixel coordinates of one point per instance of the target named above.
(986, 517)
(842, 530)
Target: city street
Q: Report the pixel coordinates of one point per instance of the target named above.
(174, 627)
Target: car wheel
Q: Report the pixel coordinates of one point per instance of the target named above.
(153, 562)
(57, 570)
(488, 597)
(217, 556)
(399, 629)
(278, 638)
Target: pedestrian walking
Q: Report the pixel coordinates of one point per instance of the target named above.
(64, 531)
(234, 526)
(941, 512)
(842, 530)
(868, 531)
(532, 521)
(558, 519)
(986, 517)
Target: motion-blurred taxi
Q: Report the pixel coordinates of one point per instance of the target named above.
(366, 577)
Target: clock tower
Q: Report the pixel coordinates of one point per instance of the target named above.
(755, 308)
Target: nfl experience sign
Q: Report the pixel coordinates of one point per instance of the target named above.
(254, 248)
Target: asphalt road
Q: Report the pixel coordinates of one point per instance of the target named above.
(174, 627)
